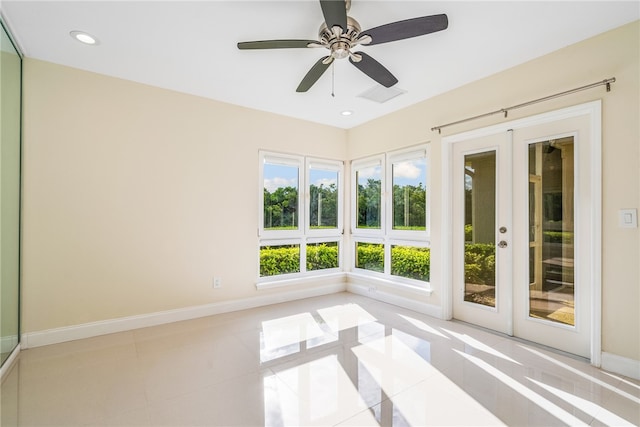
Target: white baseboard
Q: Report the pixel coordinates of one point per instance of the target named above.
(379, 295)
(93, 329)
(621, 365)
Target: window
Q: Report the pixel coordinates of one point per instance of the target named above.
(300, 220)
(324, 182)
(367, 212)
(390, 215)
(280, 199)
(370, 256)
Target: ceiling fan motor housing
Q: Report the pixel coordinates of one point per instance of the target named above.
(339, 41)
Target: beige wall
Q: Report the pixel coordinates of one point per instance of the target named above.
(613, 54)
(135, 197)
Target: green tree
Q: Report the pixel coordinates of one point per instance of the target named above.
(369, 199)
(324, 203)
(281, 208)
(409, 207)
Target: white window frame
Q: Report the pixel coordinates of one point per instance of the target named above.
(303, 235)
(397, 157)
(331, 166)
(386, 235)
(314, 240)
(374, 241)
(285, 160)
(356, 165)
(283, 242)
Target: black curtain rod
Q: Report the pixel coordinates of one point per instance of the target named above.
(504, 111)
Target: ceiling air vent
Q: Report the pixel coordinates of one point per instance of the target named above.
(381, 94)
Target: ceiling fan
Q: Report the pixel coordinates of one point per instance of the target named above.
(341, 33)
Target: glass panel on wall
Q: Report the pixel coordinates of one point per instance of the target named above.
(412, 262)
(370, 256)
(323, 205)
(279, 259)
(369, 197)
(321, 256)
(409, 194)
(479, 228)
(10, 72)
(551, 255)
(280, 196)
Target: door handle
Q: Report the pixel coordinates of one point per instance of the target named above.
(502, 244)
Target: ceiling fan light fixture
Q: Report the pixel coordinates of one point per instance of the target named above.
(83, 37)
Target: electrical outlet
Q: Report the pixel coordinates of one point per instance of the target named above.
(217, 283)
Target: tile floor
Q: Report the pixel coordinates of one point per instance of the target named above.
(340, 359)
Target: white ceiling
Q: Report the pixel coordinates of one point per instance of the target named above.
(190, 47)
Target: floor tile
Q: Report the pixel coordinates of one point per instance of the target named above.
(339, 359)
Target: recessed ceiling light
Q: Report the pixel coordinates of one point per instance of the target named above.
(83, 37)
(346, 112)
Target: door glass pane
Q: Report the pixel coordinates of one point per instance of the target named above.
(10, 70)
(479, 228)
(280, 197)
(409, 194)
(323, 204)
(551, 187)
(369, 197)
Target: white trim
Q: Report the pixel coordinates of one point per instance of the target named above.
(411, 304)
(371, 280)
(93, 329)
(595, 257)
(6, 366)
(284, 281)
(620, 365)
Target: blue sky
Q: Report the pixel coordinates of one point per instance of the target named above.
(276, 176)
(410, 172)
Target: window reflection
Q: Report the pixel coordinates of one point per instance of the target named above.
(551, 231)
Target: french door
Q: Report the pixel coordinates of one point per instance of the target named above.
(523, 235)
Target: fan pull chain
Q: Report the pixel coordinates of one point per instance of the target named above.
(333, 79)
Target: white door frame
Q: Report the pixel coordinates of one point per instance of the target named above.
(594, 111)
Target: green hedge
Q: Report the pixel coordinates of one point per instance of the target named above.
(320, 257)
(411, 262)
(276, 260)
(279, 260)
(565, 237)
(480, 263)
(370, 256)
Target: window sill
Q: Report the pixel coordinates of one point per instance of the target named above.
(299, 280)
(376, 280)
